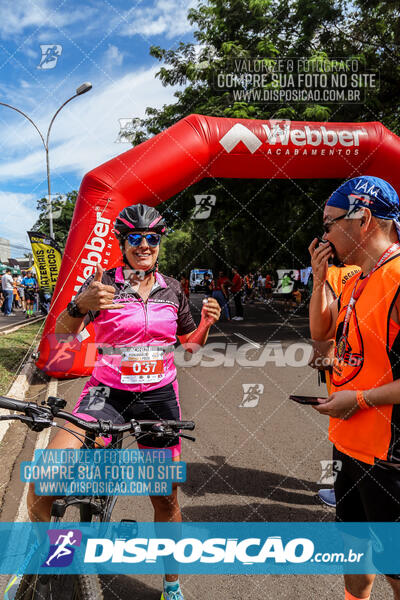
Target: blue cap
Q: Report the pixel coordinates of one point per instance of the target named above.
(369, 192)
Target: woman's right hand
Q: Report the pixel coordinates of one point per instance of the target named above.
(97, 296)
(320, 253)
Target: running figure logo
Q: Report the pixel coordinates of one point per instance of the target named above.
(61, 553)
(127, 129)
(251, 394)
(204, 205)
(329, 471)
(50, 55)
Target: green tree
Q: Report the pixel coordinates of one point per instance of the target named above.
(63, 209)
(269, 222)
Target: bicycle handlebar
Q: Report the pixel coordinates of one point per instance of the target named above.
(42, 417)
(12, 404)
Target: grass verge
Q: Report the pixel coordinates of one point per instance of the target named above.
(13, 349)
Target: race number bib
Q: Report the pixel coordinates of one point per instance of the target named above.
(142, 365)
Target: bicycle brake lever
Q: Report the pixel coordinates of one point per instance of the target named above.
(187, 437)
(35, 423)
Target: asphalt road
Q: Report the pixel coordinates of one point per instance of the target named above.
(256, 457)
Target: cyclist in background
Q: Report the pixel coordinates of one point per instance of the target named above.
(268, 286)
(185, 286)
(29, 284)
(133, 306)
(361, 224)
(207, 283)
(236, 289)
(221, 293)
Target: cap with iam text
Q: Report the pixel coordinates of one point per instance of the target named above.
(370, 192)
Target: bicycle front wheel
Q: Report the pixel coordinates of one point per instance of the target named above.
(59, 587)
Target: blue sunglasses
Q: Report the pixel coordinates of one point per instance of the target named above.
(135, 239)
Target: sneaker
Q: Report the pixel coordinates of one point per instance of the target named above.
(12, 587)
(328, 497)
(238, 318)
(172, 594)
(177, 595)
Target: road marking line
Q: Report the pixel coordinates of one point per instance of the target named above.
(41, 443)
(17, 391)
(246, 339)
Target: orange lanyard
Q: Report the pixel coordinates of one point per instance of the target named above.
(356, 293)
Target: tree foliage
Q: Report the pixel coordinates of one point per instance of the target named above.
(256, 222)
(63, 210)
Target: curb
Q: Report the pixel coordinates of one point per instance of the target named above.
(41, 443)
(13, 438)
(18, 391)
(20, 325)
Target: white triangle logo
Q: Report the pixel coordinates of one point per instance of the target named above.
(240, 133)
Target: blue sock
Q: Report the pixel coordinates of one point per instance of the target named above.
(171, 586)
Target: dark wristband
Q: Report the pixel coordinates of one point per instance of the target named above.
(73, 310)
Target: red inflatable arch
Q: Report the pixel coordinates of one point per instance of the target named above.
(194, 148)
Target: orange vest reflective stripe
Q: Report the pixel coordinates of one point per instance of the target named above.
(338, 276)
(369, 361)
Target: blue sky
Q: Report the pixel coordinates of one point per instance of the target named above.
(105, 42)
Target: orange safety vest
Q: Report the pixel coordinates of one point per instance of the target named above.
(370, 360)
(337, 277)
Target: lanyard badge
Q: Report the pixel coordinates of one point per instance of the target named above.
(356, 293)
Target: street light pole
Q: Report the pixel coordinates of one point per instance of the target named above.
(82, 89)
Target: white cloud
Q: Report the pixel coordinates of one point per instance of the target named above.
(84, 133)
(21, 216)
(113, 57)
(37, 13)
(167, 17)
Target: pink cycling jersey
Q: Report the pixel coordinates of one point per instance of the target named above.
(156, 322)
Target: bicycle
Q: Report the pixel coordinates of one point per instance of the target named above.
(91, 508)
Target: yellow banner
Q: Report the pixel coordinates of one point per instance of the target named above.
(47, 260)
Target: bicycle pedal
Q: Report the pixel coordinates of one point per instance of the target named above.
(128, 528)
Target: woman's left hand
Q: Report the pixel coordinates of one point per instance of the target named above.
(340, 405)
(211, 311)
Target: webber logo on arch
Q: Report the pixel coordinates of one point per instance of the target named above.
(282, 133)
(95, 247)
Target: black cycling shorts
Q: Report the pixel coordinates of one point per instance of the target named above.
(30, 295)
(100, 401)
(366, 493)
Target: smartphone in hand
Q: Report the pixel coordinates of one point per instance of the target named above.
(310, 400)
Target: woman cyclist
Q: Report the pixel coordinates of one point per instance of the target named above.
(133, 306)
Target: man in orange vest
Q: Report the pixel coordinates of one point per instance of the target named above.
(361, 224)
(335, 280)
